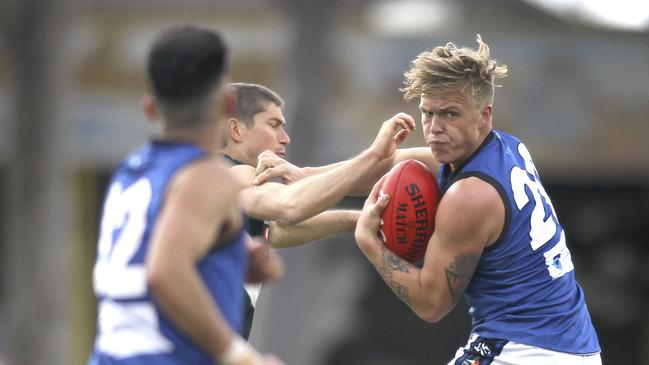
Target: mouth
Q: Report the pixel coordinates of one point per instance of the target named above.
(281, 154)
(436, 143)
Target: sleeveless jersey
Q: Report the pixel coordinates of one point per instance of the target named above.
(132, 330)
(524, 286)
(254, 227)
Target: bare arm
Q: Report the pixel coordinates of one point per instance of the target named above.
(192, 218)
(264, 265)
(271, 166)
(326, 224)
(289, 204)
(422, 154)
(461, 234)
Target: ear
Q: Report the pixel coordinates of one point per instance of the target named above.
(236, 129)
(485, 117)
(150, 108)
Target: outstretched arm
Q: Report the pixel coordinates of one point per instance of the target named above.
(323, 225)
(289, 204)
(271, 166)
(422, 154)
(462, 231)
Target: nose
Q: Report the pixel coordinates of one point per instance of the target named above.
(284, 138)
(434, 125)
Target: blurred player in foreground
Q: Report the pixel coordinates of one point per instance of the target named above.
(296, 213)
(172, 253)
(497, 238)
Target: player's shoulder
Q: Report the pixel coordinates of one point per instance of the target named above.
(210, 177)
(471, 193)
(473, 206)
(243, 173)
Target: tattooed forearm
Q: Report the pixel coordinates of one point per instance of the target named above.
(389, 263)
(459, 272)
(393, 262)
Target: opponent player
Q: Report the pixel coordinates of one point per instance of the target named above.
(497, 238)
(172, 257)
(256, 144)
(296, 212)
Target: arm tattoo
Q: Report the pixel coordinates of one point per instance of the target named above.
(459, 273)
(391, 262)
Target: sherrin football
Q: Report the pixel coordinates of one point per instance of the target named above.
(409, 219)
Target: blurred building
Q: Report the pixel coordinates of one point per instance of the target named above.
(577, 94)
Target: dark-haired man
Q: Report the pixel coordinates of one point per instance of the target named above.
(172, 252)
(297, 213)
(257, 143)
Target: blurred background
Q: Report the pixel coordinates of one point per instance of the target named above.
(71, 78)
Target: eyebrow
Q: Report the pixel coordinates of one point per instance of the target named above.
(273, 119)
(448, 108)
(439, 110)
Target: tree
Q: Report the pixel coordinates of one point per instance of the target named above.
(36, 246)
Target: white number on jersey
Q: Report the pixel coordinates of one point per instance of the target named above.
(125, 328)
(122, 226)
(541, 229)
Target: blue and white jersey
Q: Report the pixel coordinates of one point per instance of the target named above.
(524, 286)
(131, 328)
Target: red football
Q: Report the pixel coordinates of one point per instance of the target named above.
(409, 218)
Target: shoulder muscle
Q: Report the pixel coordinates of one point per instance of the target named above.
(474, 209)
(243, 173)
(201, 200)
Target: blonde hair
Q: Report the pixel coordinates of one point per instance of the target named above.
(449, 68)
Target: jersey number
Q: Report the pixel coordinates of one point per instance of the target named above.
(125, 328)
(122, 226)
(542, 229)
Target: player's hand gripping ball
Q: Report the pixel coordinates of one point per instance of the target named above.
(409, 219)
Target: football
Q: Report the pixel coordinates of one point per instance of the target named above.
(409, 219)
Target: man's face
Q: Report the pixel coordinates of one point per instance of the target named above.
(453, 126)
(267, 133)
